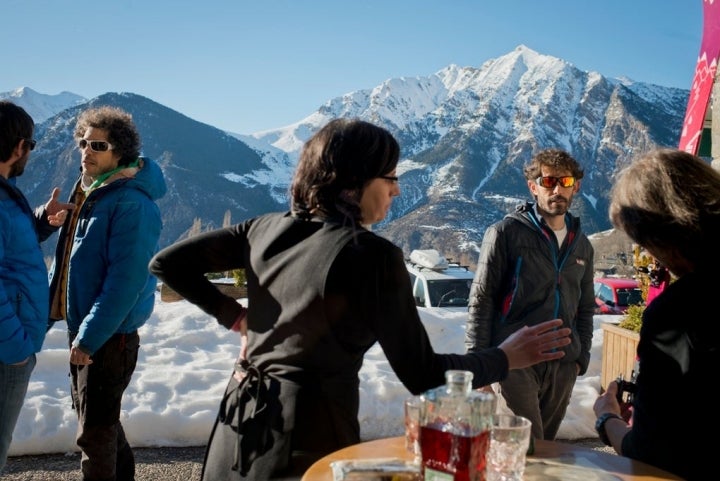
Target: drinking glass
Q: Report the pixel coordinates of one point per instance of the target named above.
(412, 425)
(509, 442)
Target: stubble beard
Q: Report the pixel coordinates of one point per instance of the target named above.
(17, 169)
(555, 209)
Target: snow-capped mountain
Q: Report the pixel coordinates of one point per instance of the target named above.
(465, 133)
(42, 106)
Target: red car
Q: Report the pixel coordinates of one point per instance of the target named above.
(613, 295)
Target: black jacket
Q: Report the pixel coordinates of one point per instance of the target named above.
(675, 422)
(523, 278)
(320, 294)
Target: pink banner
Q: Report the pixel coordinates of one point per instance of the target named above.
(704, 78)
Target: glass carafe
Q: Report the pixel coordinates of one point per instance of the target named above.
(455, 423)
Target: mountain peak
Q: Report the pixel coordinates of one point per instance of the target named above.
(23, 91)
(42, 106)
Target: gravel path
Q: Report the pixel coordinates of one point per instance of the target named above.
(152, 464)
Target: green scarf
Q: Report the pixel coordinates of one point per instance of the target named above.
(102, 178)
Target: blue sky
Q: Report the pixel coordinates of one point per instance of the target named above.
(247, 66)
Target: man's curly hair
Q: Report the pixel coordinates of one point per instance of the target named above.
(122, 133)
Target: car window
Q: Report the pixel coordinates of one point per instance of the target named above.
(622, 297)
(449, 292)
(634, 296)
(629, 296)
(605, 293)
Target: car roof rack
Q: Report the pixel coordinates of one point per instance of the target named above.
(431, 259)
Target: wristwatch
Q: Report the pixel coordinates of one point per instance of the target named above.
(600, 426)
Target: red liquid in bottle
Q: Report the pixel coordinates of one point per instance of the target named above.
(450, 456)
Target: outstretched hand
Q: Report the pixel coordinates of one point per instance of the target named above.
(57, 211)
(531, 345)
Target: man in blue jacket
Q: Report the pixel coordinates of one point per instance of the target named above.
(23, 275)
(100, 283)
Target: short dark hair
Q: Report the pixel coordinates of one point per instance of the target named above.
(15, 124)
(122, 133)
(337, 163)
(555, 158)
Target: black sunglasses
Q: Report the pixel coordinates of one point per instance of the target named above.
(30, 142)
(391, 178)
(95, 145)
(550, 182)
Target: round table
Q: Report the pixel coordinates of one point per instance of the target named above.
(551, 461)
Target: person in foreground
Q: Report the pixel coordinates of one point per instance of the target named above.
(537, 264)
(23, 274)
(668, 201)
(322, 289)
(100, 284)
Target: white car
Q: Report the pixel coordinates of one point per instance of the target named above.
(438, 282)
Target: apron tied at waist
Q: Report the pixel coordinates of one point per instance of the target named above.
(253, 410)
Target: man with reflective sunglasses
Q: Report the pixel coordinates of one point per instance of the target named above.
(536, 264)
(23, 274)
(100, 284)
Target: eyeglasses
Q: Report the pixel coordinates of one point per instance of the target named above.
(31, 142)
(550, 182)
(391, 178)
(95, 145)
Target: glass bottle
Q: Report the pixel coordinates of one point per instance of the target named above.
(455, 424)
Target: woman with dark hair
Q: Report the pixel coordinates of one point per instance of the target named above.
(668, 201)
(322, 289)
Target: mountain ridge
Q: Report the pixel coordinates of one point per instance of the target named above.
(465, 134)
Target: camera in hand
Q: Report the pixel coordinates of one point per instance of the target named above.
(626, 390)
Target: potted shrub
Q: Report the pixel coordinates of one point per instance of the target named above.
(633, 318)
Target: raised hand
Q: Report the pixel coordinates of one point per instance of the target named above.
(57, 211)
(531, 345)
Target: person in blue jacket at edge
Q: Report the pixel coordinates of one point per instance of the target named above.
(23, 274)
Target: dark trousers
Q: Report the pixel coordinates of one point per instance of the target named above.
(541, 393)
(97, 391)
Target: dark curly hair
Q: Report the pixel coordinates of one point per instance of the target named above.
(335, 166)
(122, 133)
(555, 158)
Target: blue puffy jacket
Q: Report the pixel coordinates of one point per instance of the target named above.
(23, 275)
(109, 288)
